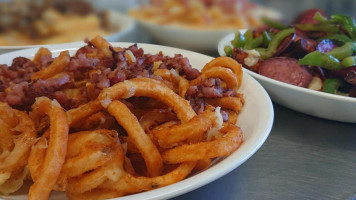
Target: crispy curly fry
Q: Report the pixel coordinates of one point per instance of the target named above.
(224, 74)
(83, 111)
(226, 62)
(55, 68)
(102, 45)
(130, 123)
(220, 147)
(173, 135)
(149, 88)
(178, 174)
(233, 103)
(56, 151)
(18, 134)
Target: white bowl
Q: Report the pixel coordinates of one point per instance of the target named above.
(311, 102)
(125, 23)
(255, 119)
(202, 40)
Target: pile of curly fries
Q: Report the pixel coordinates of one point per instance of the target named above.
(110, 145)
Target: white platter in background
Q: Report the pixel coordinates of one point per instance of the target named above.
(126, 24)
(311, 102)
(255, 119)
(202, 40)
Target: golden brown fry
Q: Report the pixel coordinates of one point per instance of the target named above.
(17, 136)
(220, 147)
(56, 151)
(83, 111)
(232, 103)
(55, 68)
(218, 72)
(149, 88)
(130, 123)
(174, 135)
(226, 62)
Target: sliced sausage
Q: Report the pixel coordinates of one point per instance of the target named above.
(286, 70)
(307, 17)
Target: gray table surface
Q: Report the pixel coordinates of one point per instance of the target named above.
(304, 157)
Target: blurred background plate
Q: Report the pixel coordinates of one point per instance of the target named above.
(315, 103)
(181, 37)
(121, 29)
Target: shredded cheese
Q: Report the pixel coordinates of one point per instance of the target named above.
(130, 89)
(252, 57)
(129, 55)
(214, 131)
(106, 102)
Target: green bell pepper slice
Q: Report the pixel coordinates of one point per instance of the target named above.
(349, 61)
(239, 40)
(316, 58)
(330, 28)
(248, 35)
(342, 52)
(228, 51)
(320, 18)
(254, 43)
(266, 38)
(340, 39)
(274, 43)
(331, 85)
(347, 24)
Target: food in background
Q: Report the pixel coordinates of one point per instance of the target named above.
(51, 22)
(112, 121)
(312, 52)
(203, 14)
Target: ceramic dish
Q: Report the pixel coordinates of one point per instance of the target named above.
(311, 102)
(255, 119)
(182, 37)
(125, 23)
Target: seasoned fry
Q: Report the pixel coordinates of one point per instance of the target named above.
(130, 123)
(229, 63)
(149, 88)
(17, 136)
(220, 147)
(55, 68)
(56, 151)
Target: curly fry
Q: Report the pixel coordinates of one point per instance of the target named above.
(149, 88)
(130, 123)
(56, 151)
(229, 63)
(54, 68)
(14, 148)
(220, 147)
(224, 74)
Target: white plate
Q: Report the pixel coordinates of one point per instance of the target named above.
(125, 23)
(255, 119)
(315, 103)
(202, 40)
